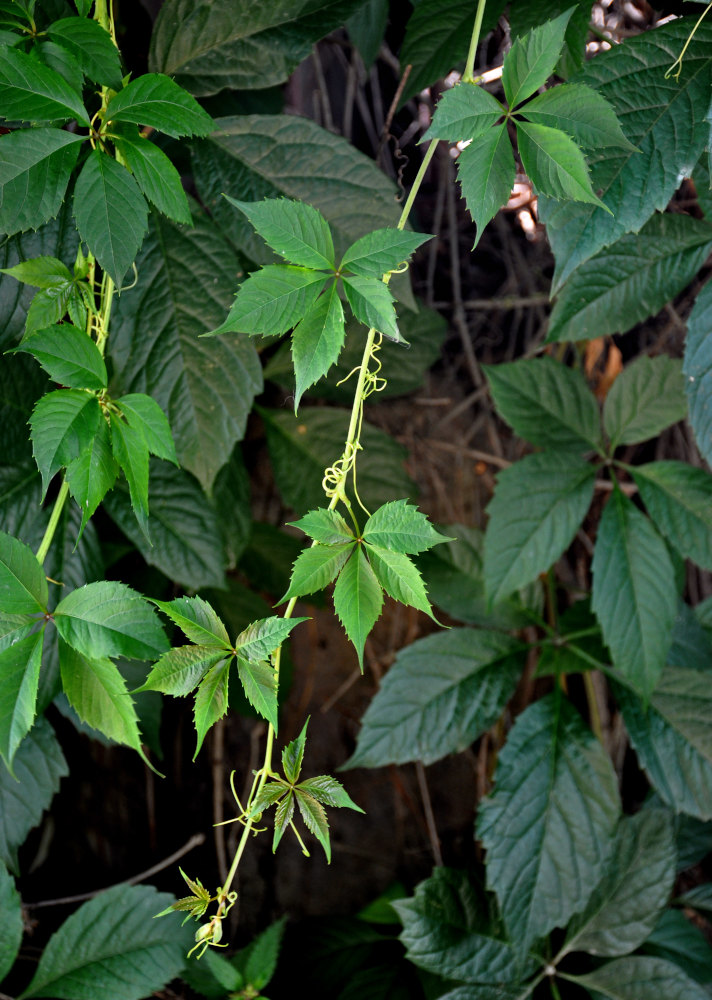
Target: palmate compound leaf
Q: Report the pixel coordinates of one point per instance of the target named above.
(297, 231)
(537, 507)
(20, 663)
(467, 111)
(68, 356)
(439, 696)
(554, 164)
(640, 977)
(112, 945)
(635, 888)
(634, 593)
(548, 825)
(358, 600)
(486, 172)
(678, 497)
(533, 58)
(448, 930)
(273, 300)
(317, 341)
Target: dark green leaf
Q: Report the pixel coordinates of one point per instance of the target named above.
(93, 472)
(211, 700)
(301, 448)
(325, 526)
(20, 668)
(548, 826)
(465, 112)
(259, 683)
(282, 818)
(109, 619)
(533, 58)
(23, 586)
(329, 792)
(156, 100)
(634, 890)
(679, 499)
(314, 816)
(486, 171)
(112, 944)
(582, 113)
(273, 300)
(197, 619)
(367, 27)
(60, 59)
(145, 415)
(641, 978)
(545, 402)
(38, 766)
(32, 92)
(68, 356)
(41, 272)
(11, 929)
(524, 16)
(554, 163)
(381, 251)
(260, 639)
(232, 502)
(317, 341)
(48, 307)
(156, 176)
(399, 578)
(358, 600)
(293, 756)
(697, 369)
(645, 399)
(111, 213)
(632, 279)
(400, 526)
(650, 108)
(537, 508)
(264, 952)
(316, 567)
(186, 543)
(297, 232)
(699, 898)
(440, 695)
(447, 930)
(131, 452)
(35, 165)
(672, 738)
(92, 47)
(634, 594)
(372, 305)
(239, 46)
(678, 940)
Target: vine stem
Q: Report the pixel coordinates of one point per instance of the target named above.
(53, 522)
(469, 76)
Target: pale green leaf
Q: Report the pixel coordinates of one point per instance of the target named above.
(92, 47)
(634, 890)
(197, 619)
(651, 109)
(113, 945)
(486, 171)
(533, 58)
(464, 112)
(632, 279)
(156, 176)
(68, 356)
(548, 825)
(63, 424)
(11, 929)
(41, 272)
(260, 639)
(23, 586)
(111, 213)
(439, 696)
(211, 700)
(545, 402)
(537, 508)
(381, 251)
(645, 399)
(107, 618)
(372, 304)
(399, 578)
(325, 526)
(358, 600)
(259, 683)
(697, 368)
(554, 163)
(156, 100)
(641, 978)
(20, 669)
(679, 500)
(273, 300)
(298, 232)
(143, 413)
(181, 669)
(131, 452)
(317, 341)
(634, 593)
(32, 92)
(582, 113)
(316, 567)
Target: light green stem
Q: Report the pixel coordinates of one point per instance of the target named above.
(416, 184)
(53, 522)
(468, 76)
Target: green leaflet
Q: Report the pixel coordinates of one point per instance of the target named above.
(399, 578)
(646, 398)
(41, 272)
(372, 304)
(325, 526)
(545, 402)
(582, 113)
(68, 356)
(273, 300)
(697, 369)
(317, 341)
(181, 669)
(93, 472)
(630, 280)
(358, 600)
(316, 567)
(259, 683)
(293, 756)
(145, 416)
(537, 507)
(260, 639)
(634, 595)
(532, 59)
(400, 526)
(641, 978)
(23, 586)
(12, 928)
(547, 827)
(439, 696)
(298, 232)
(465, 112)
(112, 943)
(555, 164)
(20, 666)
(156, 176)
(63, 425)
(264, 950)
(523, 17)
(129, 449)
(486, 171)
(156, 100)
(211, 700)
(32, 92)
(381, 251)
(678, 940)
(679, 500)
(197, 619)
(92, 47)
